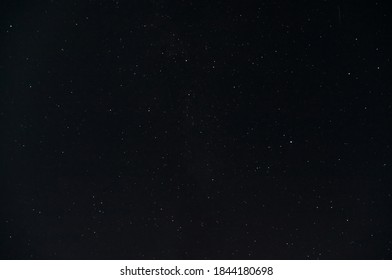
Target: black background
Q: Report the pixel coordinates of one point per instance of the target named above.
(195, 129)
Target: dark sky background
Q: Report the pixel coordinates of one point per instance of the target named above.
(195, 130)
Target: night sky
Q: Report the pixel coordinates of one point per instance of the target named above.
(195, 130)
